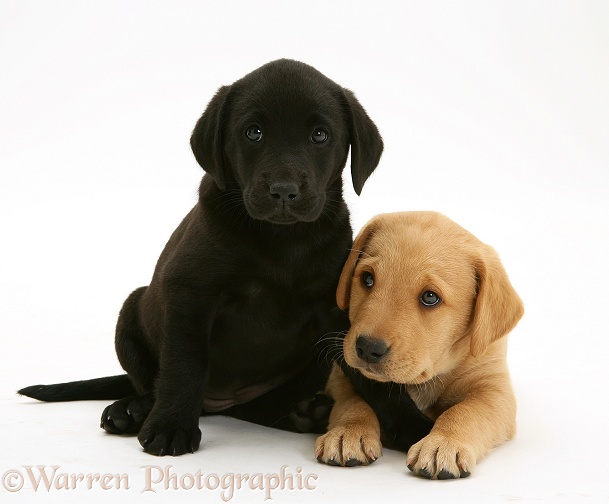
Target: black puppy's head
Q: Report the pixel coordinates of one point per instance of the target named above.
(282, 135)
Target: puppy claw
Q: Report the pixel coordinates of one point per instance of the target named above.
(352, 462)
(463, 473)
(444, 475)
(424, 473)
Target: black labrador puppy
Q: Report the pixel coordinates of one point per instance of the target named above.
(243, 294)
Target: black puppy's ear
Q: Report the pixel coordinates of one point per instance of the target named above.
(207, 140)
(366, 143)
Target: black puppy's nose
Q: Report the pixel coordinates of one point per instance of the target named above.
(370, 349)
(284, 192)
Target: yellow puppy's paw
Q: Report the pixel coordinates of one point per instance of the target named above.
(441, 457)
(348, 445)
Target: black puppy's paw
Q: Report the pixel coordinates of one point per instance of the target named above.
(126, 416)
(163, 437)
(311, 415)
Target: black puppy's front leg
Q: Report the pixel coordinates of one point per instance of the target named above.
(172, 428)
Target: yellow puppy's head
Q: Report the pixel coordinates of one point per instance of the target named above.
(423, 294)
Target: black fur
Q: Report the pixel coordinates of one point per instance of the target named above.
(109, 387)
(402, 423)
(245, 288)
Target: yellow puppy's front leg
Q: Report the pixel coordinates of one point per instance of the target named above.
(463, 434)
(354, 433)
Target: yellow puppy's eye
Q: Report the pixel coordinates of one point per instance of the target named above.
(429, 298)
(367, 279)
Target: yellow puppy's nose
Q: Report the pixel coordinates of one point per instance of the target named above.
(370, 349)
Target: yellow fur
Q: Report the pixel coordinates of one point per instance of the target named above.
(451, 356)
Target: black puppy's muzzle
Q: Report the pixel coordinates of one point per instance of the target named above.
(284, 198)
(284, 193)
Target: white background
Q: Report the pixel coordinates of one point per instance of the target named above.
(494, 113)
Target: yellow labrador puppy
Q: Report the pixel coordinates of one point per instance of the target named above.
(430, 306)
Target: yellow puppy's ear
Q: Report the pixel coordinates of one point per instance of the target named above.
(343, 291)
(498, 307)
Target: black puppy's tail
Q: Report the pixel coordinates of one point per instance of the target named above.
(109, 387)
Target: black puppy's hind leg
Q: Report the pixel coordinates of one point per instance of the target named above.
(299, 405)
(127, 415)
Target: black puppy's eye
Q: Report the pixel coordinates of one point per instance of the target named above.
(429, 298)
(319, 136)
(367, 279)
(254, 133)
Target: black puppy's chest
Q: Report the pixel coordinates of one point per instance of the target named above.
(253, 306)
(264, 332)
(271, 319)
(245, 294)
(402, 423)
(281, 273)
